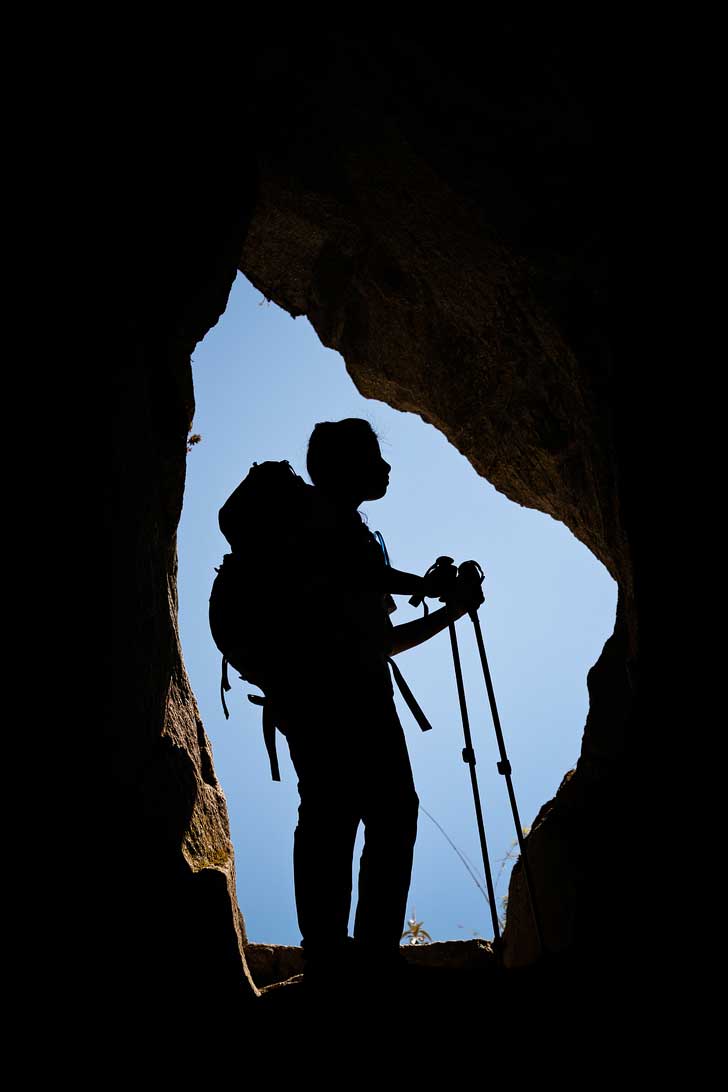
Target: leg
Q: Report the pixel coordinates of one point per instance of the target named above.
(323, 848)
(390, 819)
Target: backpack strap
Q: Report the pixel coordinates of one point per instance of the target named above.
(269, 720)
(409, 697)
(224, 685)
(269, 732)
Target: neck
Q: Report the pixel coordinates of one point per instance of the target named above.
(341, 503)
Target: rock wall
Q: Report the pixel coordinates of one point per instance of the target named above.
(434, 203)
(175, 928)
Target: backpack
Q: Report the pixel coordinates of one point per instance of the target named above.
(261, 520)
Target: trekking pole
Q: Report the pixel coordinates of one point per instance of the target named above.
(472, 571)
(445, 570)
(469, 759)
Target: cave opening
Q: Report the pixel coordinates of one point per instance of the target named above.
(262, 380)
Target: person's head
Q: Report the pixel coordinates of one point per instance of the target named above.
(345, 462)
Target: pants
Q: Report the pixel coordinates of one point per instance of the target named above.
(350, 755)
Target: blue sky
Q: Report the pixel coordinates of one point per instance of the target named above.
(262, 381)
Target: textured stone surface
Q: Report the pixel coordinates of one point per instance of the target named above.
(167, 866)
(269, 963)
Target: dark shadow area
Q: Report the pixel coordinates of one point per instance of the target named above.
(438, 219)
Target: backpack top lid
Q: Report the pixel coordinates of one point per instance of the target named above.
(269, 500)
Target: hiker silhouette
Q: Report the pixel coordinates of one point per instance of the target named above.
(334, 703)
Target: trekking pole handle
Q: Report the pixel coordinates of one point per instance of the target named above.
(472, 575)
(437, 582)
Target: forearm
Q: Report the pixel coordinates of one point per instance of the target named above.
(411, 634)
(397, 582)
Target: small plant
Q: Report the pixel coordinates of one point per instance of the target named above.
(512, 852)
(415, 932)
(192, 439)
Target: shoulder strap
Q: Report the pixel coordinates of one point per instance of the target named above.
(269, 720)
(409, 697)
(224, 686)
(269, 732)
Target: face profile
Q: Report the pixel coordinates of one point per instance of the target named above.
(345, 462)
(372, 472)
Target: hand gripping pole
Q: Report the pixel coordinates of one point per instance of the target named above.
(469, 759)
(504, 768)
